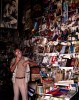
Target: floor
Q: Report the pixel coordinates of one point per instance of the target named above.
(6, 92)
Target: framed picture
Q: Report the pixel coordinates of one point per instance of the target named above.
(9, 14)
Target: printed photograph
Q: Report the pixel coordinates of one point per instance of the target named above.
(9, 13)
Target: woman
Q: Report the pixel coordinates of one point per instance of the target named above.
(20, 69)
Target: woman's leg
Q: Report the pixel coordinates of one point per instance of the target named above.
(23, 89)
(16, 91)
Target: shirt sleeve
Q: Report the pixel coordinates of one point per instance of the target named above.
(13, 60)
(26, 58)
(27, 68)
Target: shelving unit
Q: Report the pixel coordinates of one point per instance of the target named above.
(55, 46)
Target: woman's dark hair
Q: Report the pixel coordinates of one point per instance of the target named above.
(16, 47)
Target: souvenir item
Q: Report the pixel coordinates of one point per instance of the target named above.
(43, 74)
(46, 60)
(53, 60)
(40, 90)
(73, 62)
(35, 73)
(71, 48)
(31, 91)
(55, 37)
(40, 49)
(43, 41)
(68, 64)
(63, 50)
(65, 11)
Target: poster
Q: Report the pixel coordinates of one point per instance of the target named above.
(8, 13)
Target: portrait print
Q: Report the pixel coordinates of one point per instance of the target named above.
(9, 13)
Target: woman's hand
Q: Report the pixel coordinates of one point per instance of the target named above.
(17, 60)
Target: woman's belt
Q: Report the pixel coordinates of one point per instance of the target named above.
(19, 77)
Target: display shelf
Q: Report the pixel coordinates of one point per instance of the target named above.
(56, 49)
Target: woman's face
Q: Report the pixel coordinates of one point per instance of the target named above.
(13, 3)
(18, 53)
